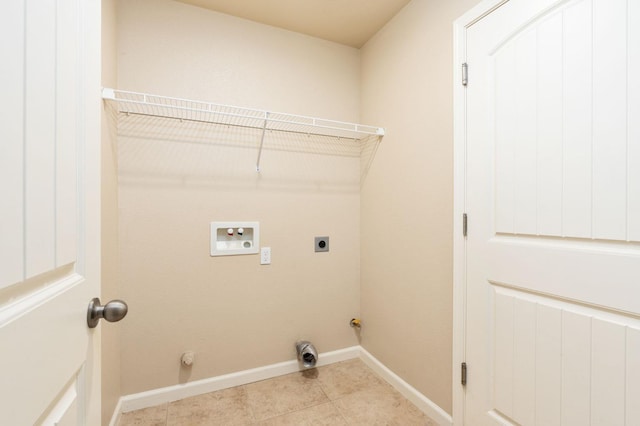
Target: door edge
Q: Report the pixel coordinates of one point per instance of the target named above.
(460, 26)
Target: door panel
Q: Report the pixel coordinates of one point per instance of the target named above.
(11, 160)
(39, 140)
(633, 111)
(65, 409)
(576, 108)
(609, 119)
(582, 373)
(608, 361)
(553, 259)
(633, 377)
(525, 136)
(66, 160)
(549, 127)
(561, 95)
(49, 349)
(548, 368)
(49, 178)
(576, 359)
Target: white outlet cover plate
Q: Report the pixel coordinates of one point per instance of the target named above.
(265, 256)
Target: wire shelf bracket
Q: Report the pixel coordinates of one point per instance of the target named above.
(206, 112)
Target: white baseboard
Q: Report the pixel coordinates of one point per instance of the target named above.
(117, 413)
(173, 393)
(425, 405)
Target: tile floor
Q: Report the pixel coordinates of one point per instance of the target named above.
(344, 393)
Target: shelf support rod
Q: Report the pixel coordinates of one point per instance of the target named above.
(264, 129)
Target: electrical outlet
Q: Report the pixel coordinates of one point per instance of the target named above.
(265, 256)
(321, 244)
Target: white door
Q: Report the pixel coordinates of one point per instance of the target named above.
(49, 211)
(553, 203)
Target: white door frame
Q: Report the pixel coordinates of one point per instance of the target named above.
(459, 200)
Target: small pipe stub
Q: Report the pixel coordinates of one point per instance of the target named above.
(187, 359)
(355, 322)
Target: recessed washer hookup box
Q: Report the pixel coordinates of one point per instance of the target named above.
(233, 238)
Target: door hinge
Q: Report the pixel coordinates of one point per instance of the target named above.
(464, 224)
(465, 74)
(463, 374)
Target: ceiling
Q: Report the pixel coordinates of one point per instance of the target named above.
(348, 22)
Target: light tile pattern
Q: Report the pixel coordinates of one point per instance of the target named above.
(344, 393)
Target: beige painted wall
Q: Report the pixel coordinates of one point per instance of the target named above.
(175, 178)
(407, 198)
(233, 312)
(109, 211)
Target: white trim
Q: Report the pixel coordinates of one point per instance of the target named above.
(63, 406)
(24, 305)
(173, 393)
(117, 413)
(459, 280)
(459, 189)
(424, 404)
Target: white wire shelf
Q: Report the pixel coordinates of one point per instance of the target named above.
(206, 112)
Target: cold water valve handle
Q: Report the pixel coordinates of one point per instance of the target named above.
(113, 311)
